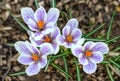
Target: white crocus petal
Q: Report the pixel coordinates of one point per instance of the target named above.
(52, 15)
(56, 48)
(21, 47)
(46, 49)
(27, 13)
(66, 31)
(101, 47)
(89, 68)
(33, 69)
(76, 50)
(73, 23)
(25, 59)
(83, 60)
(43, 61)
(32, 25)
(80, 41)
(48, 28)
(60, 40)
(88, 45)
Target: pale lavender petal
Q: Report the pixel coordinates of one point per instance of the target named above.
(25, 60)
(76, 34)
(32, 25)
(83, 60)
(55, 33)
(52, 15)
(90, 68)
(60, 39)
(80, 41)
(42, 62)
(101, 47)
(73, 23)
(40, 14)
(88, 45)
(37, 43)
(76, 50)
(27, 13)
(38, 35)
(21, 47)
(33, 69)
(96, 57)
(68, 45)
(56, 48)
(46, 49)
(66, 31)
(48, 28)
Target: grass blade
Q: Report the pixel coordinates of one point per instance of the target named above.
(66, 67)
(113, 39)
(93, 39)
(10, 44)
(92, 32)
(117, 49)
(77, 71)
(17, 74)
(117, 58)
(117, 65)
(21, 24)
(36, 4)
(110, 75)
(53, 3)
(110, 25)
(60, 69)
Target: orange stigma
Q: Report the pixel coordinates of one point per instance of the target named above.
(35, 57)
(41, 24)
(47, 39)
(88, 53)
(69, 38)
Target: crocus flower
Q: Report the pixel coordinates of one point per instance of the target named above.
(70, 34)
(90, 54)
(30, 55)
(50, 38)
(39, 21)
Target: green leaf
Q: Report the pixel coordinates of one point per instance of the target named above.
(66, 66)
(36, 4)
(18, 74)
(61, 70)
(113, 62)
(117, 49)
(21, 24)
(53, 3)
(92, 32)
(113, 39)
(95, 39)
(105, 62)
(117, 58)
(10, 44)
(110, 26)
(110, 75)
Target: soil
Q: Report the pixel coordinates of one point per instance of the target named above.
(90, 14)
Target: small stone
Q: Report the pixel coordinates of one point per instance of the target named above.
(21, 78)
(106, 9)
(115, 3)
(92, 19)
(16, 68)
(98, 7)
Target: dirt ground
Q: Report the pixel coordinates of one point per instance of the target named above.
(90, 14)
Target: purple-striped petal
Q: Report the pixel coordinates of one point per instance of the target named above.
(56, 48)
(48, 28)
(21, 47)
(38, 35)
(76, 34)
(27, 13)
(46, 49)
(67, 45)
(60, 40)
(76, 50)
(43, 61)
(66, 31)
(55, 33)
(83, 60)
(40, 14)
(73, 23)
(80, 41)
(96, 57)
(33, 69)
(101, 47)
(25, 60)
(88, 45)
(89, 68)
(52, 15)
(32, 25)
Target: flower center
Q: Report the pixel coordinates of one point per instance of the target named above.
(88, 53)
(41, 24)
(69, 38)
(47, 39)
(35, 57)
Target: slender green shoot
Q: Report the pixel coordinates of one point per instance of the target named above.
(113, 39)
(110, 26)
(110, 75)
(95, 39)
(21, 24)
(92, 32)
(61, 70)
(66, 67)
(10, 44)
(117, 58)
(113, 62)
(36, 4)
(53, 3)
(116, 49)
(18, 74)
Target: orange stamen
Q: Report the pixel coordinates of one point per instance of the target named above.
(47, 39)
(69, 38)
(35, 57)
(88, 53)
(41, 24)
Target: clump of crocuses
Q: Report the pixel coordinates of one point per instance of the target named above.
(46, 38)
